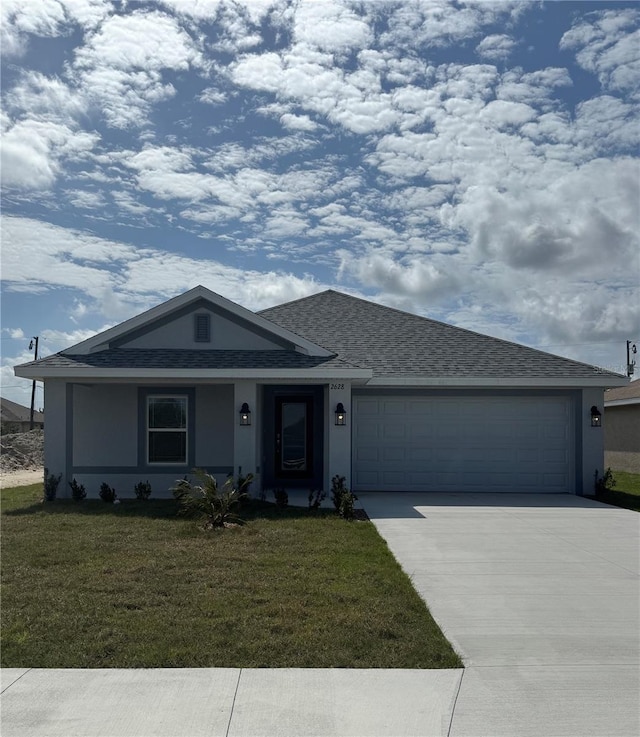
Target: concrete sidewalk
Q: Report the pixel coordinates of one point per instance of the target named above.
(221, 702)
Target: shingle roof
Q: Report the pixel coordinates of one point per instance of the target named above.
(631, 391)
(14, 412)
(394, 343)
(135, 358)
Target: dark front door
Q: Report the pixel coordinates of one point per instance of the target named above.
(293, 437)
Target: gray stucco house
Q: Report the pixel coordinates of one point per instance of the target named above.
(329, 384)
(622, 428)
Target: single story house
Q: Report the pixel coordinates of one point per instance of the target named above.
(329, 384)
(16, 417)
(622, 428)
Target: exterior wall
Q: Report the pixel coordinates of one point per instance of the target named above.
(592, 442)
(622, 438)
(55, 436)
(214, 416)
(105, 425)
(337, 437)
(247, 451)
(97, 434)
(225, 335)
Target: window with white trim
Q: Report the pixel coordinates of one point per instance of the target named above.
(167, 429)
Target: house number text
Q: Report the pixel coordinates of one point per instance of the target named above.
(337, 386)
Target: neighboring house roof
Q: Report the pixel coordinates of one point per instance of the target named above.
(399, 344)
(14, 412)
(622, 395)
(329, 334)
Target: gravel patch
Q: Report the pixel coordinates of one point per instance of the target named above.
(22, 451)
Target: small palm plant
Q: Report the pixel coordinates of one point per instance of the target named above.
(206, 501)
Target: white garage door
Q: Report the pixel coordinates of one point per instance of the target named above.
(449, 443)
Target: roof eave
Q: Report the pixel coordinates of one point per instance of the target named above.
(41, 373)
(492, 381)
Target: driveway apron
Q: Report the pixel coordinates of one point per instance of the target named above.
(539, 594)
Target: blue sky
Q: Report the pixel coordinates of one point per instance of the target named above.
(474, 162)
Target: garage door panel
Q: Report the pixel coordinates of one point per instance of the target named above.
(367, 453)
(448, 443)
(394, 430)
(367, 431)
(366, 479)
(394, 407)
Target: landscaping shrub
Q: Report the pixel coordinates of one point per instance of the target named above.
(604, 483)
(316, 497)
(107, 494)
(243, 484)
(78, 492)
(142, 490)
(281, 497)
(51, 482)
(343, 499)
(206, 502)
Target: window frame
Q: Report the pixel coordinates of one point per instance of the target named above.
(148, 429)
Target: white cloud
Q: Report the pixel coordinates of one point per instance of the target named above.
(120, 66)
(34, 150)
(212, 96)
(298, 122)
(496, 47)
(120, 280)
(330, 26)
(607, 44)
(38, 95)
(47, 18)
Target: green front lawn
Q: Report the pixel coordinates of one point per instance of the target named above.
(95, 585)
(626, 492)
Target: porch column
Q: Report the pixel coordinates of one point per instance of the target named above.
(339, 436)
(592, 440)
(58, 431)
(245, 437)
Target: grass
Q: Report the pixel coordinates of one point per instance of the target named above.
(95, 585)
(626, 492)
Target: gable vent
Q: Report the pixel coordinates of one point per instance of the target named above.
(202, 328)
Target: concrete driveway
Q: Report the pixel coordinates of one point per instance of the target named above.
(540, 596)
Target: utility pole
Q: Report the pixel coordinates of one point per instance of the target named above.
(33, 385)
(631, 364)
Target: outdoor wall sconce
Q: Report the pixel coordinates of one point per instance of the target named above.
(596, 417)
(341, 414)
(245, 414)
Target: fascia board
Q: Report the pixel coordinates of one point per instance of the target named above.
(621, 402)
(605, 381)
(102, 339)
(35, 372)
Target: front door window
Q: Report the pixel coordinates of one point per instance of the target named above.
(293, 436)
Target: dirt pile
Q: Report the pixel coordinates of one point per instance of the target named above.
(22, 451)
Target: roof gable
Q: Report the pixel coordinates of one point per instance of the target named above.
(400, 345)
(170, 326)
